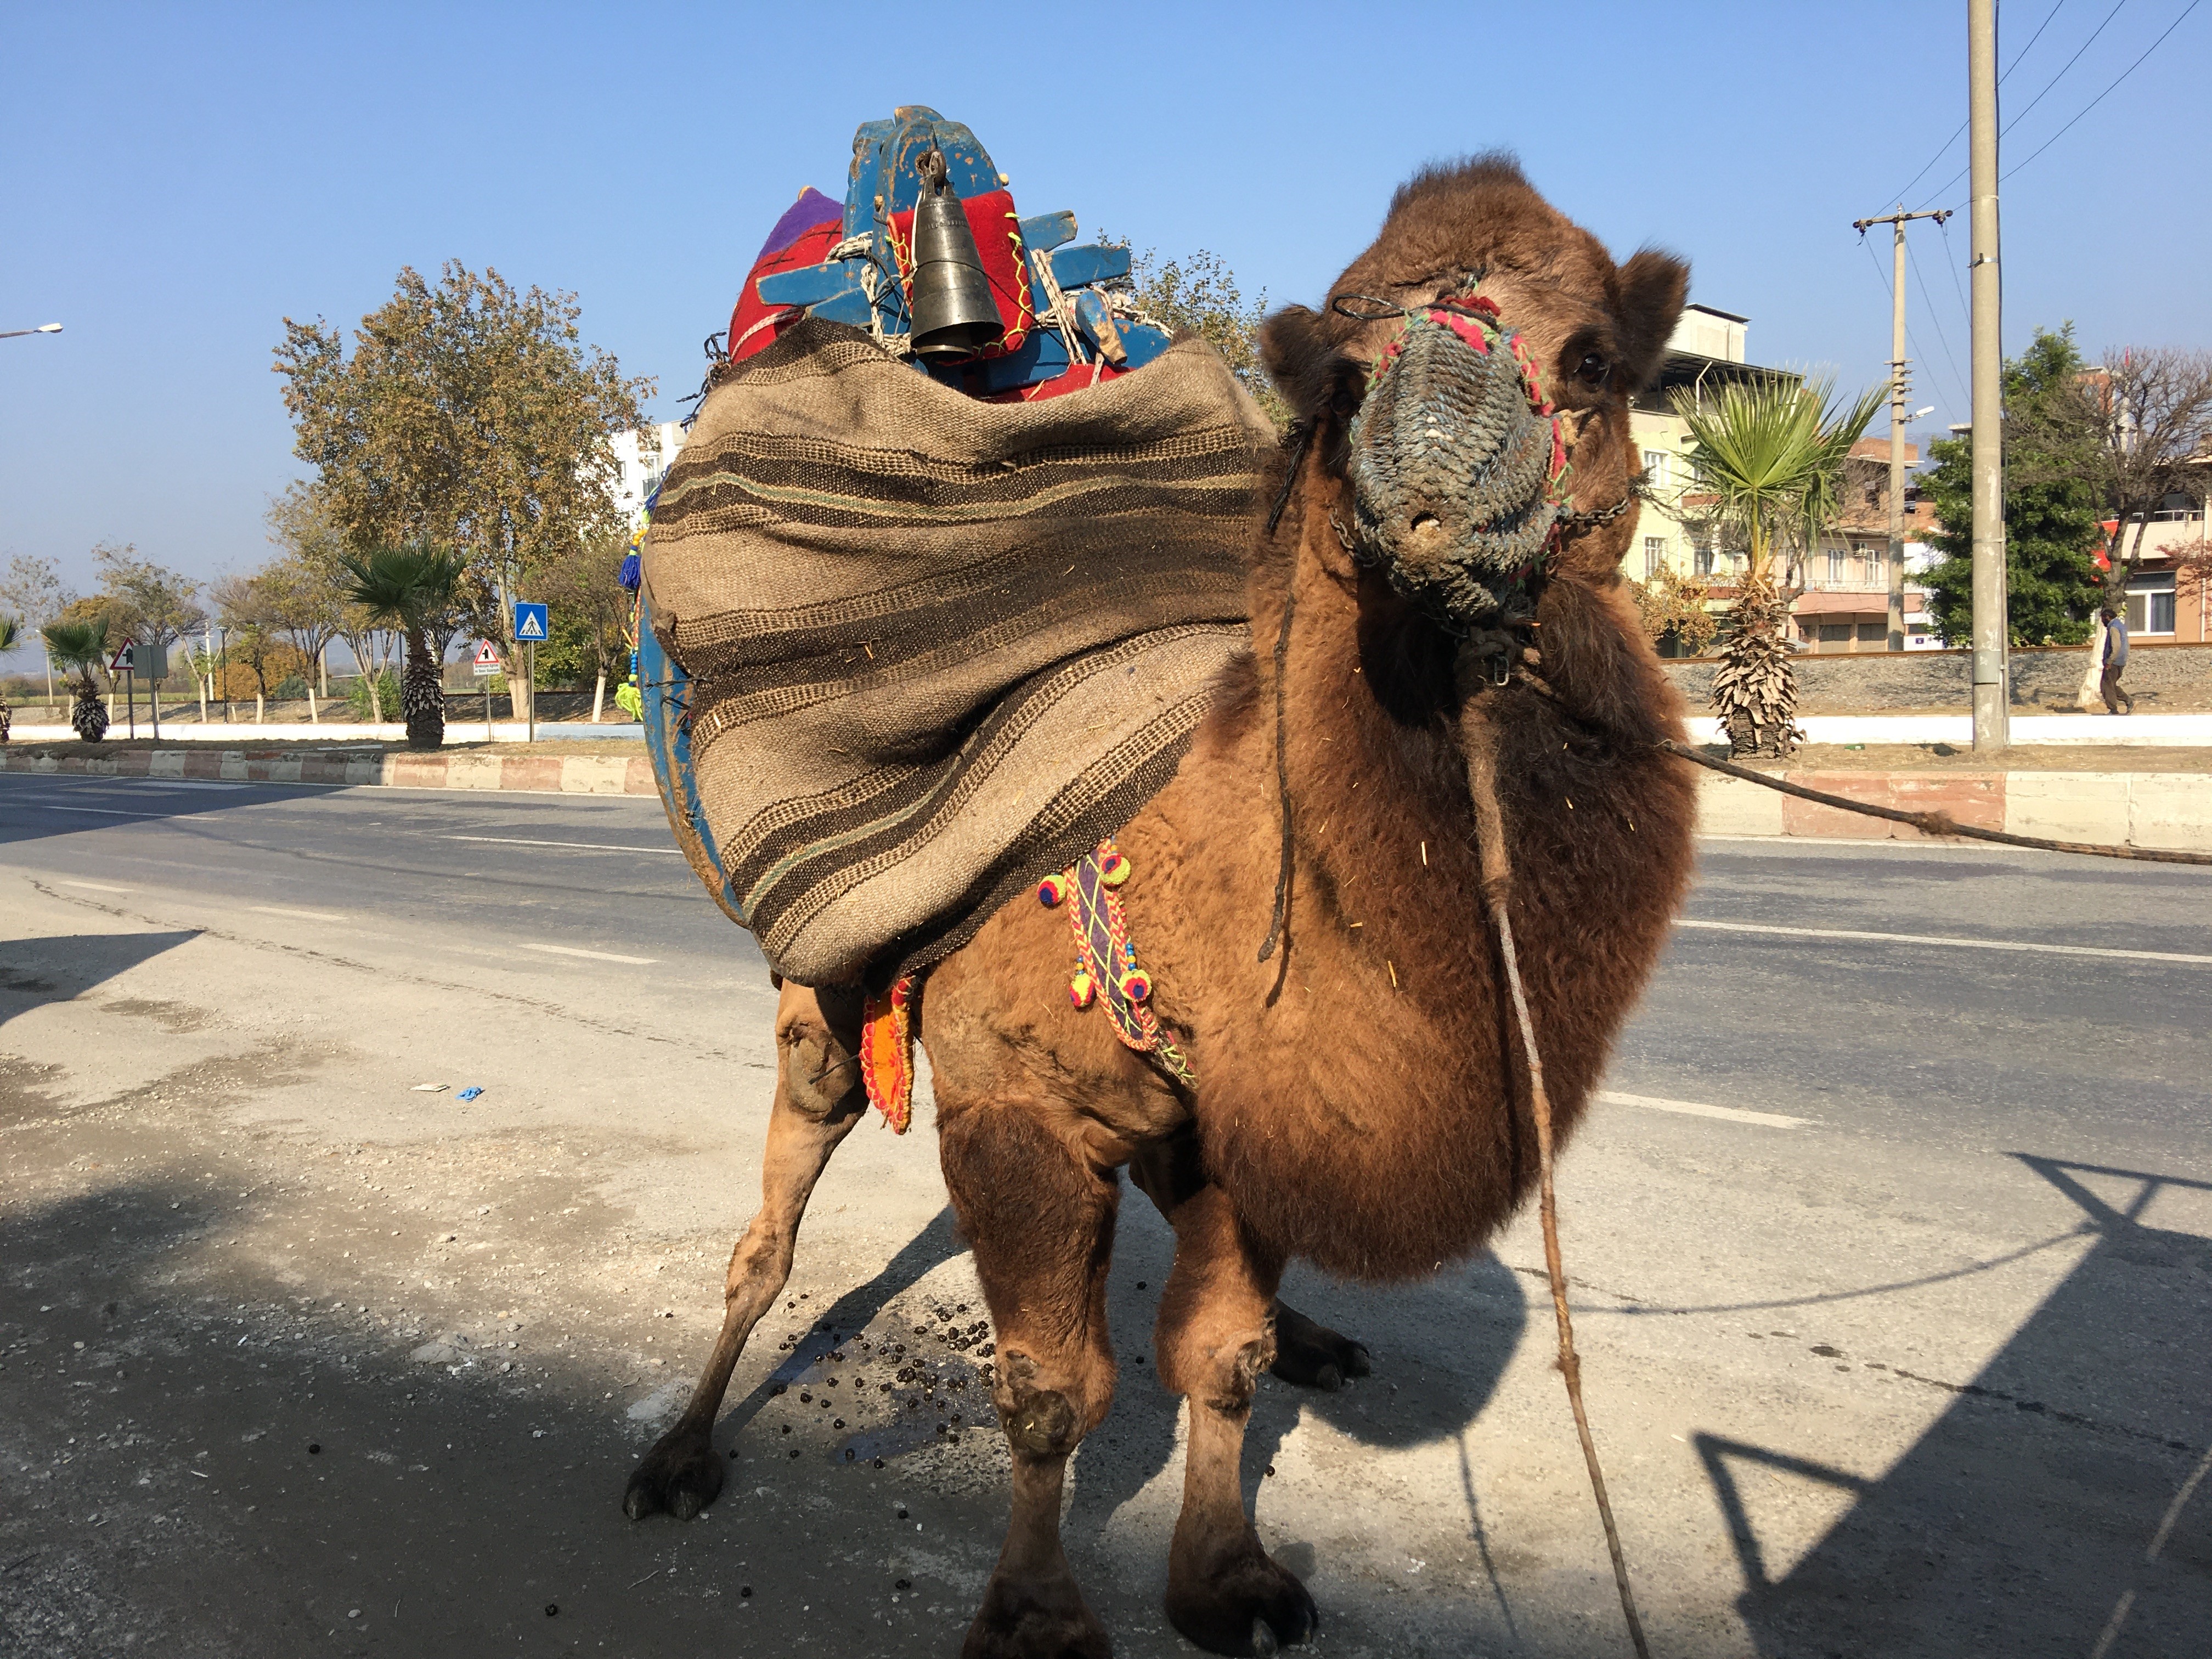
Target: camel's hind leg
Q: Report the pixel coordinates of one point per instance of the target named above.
(818, 1099)
(1040, 1217)
(1216, 1334)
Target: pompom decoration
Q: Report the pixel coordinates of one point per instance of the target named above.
(1081, 989)
(1112, 868)
(632, 572)
(1136, 985)
(1050, 891)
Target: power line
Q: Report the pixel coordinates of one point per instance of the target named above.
(1945, 188)
(2107, 92)
(2068, 64)
(2054, 11)
(1951, 264)
(1958, 379)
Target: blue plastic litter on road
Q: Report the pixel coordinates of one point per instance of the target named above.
(470, 1092)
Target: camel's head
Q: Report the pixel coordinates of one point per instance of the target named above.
(1468, 381)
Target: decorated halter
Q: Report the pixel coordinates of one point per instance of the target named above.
(1459, 469)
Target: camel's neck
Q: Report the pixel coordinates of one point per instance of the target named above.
(1379, 804)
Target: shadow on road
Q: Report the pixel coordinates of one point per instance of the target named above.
(54, 968)
(2058, 1506)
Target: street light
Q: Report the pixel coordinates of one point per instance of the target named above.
(43, 328)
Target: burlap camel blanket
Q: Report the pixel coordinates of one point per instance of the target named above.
(940, 648)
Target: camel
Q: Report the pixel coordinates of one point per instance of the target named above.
(1346, 746)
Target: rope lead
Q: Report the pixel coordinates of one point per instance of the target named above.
(1479, 741)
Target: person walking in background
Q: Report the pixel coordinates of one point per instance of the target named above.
(2116, 659)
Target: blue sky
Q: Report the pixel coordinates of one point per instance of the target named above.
(180, 180)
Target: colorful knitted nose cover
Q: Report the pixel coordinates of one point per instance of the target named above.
(1458, 469)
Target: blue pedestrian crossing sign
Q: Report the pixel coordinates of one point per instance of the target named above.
(531, 622)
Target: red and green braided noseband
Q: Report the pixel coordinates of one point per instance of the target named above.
(1458, 466)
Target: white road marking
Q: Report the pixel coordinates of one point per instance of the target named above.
(1698, 1108)
(577, 846)
(99, 887)
(304, 915)
(596, 956)
(1938, 939)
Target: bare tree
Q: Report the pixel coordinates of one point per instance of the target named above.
(2153, 410)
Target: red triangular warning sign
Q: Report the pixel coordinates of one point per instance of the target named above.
(486, 655)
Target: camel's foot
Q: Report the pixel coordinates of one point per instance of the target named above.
(1044, 1618)
(680, 1475)
(1235, 1599)
(1313, 1356)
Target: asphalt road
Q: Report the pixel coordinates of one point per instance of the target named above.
(1893, 1245)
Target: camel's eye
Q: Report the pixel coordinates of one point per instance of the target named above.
(1345, 403)
(1592, 370)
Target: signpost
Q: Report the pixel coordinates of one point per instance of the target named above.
(155, 662)
(485, 665)
(122, 663)
(531, 624)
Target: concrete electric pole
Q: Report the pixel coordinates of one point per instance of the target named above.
(1992, 707)
(1899, 375)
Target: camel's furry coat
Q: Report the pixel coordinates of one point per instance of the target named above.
(1357, 1100)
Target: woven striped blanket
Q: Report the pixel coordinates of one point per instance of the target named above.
(940, 648)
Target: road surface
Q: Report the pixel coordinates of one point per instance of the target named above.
(1892, 1246)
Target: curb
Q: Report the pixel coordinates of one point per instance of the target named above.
(2140, 809)
(2164, 810)
(565, 775)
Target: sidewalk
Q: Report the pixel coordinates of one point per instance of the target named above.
(571, 774)
(2166, 807)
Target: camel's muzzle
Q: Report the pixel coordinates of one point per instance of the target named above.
(1458, 468)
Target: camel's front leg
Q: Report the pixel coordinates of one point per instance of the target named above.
(818, 1099)
(1216, 1334)
(1040, 1217)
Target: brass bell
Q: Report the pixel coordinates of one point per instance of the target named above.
(954, 314)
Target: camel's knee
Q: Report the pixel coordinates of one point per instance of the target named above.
(1045, 1407)
(818, 1065)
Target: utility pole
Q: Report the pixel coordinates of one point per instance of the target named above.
(1899, 375)
(1992, 706)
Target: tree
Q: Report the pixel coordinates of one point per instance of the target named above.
(1769, 452)
(1199, 294)
(1670, 604)
(413, 588)
(155, 606)
(2051, 438)
(82, 645)
(590, 614)
(468, 416)
(10, 631)
(302, 523)
(243, 607)
(34, 590)
(2152, 412)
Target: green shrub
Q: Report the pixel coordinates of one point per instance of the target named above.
(291, 688)
(388, 689)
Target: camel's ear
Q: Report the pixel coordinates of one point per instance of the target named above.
(1300, 359)
(1653, 286)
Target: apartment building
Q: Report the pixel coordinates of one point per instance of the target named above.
(1844, 606)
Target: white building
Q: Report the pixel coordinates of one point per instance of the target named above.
(642, 458)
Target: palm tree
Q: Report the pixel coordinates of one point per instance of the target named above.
(409, 588)
(1770, 452)
(82, 646)
(10, 631)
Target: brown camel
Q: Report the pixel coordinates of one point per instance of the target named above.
(1294, 1140)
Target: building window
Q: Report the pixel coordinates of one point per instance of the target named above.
(1878, 632)
(1704, 562)
(1655, 466)
(1654, 554)
(1835, 633)
(2150, 607)
(1835, 566)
